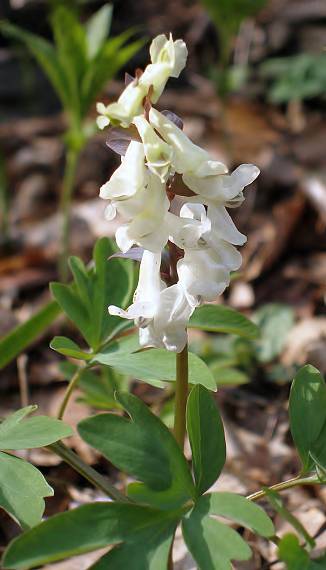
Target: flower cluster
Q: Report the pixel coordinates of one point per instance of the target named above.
(170, 192)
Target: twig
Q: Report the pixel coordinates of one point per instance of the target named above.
(285, 485)
(71, 386)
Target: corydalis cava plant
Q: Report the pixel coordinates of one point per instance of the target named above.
(173, 197)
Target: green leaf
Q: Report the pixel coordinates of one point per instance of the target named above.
(150, 551)
(238, 509)
(99, 389)
(290, 552)
(22, 489)
(318, 453)
(37, 431)
(19, 338)
(81, 280)
(106, 275)
(46, 56)
(68, 347)
(71, 47)
(206, 435)
(218, 318)
(98, 28)
(228, 376)
(144, 448)
(157, 364)
(307, 409)
(275, 322)
(276, 502)
(84, 529)
(73, 307)
(86, 301)
(212, 544)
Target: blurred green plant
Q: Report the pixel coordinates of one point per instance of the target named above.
(233, 359)
(227, 16)
(295, 78)
(78, 65)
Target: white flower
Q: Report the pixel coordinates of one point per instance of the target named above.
(126, 187)
(140, 198)
(204, 176)
(158, 153)
(225, 188)
(121, 112)
(204, 271)
(149, 227)
(188, 157)
(202, 275)
(160, 312)
(168, 60)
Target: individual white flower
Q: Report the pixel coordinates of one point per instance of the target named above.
(225, 188)
(125, 189)
(202, 275)
(140, 198)
(158, 153)
(148, 227)
(205, 177)
(204, 271)
(168, 60)
(160, 312)
(121, 112)
(197, 231)
(188, 157)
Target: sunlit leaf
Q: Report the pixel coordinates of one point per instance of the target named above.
(156, 366)
(22, 490)
(38, 431)
(219, 318)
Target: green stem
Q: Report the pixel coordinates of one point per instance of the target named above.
(71, 386)
(285, 485)
(64, 209)
(181, 394)
(87, 472)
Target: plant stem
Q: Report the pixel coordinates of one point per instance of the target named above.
(285, 485)
(87, 472)
(64, 209)
(181, 393)
(70, 388)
